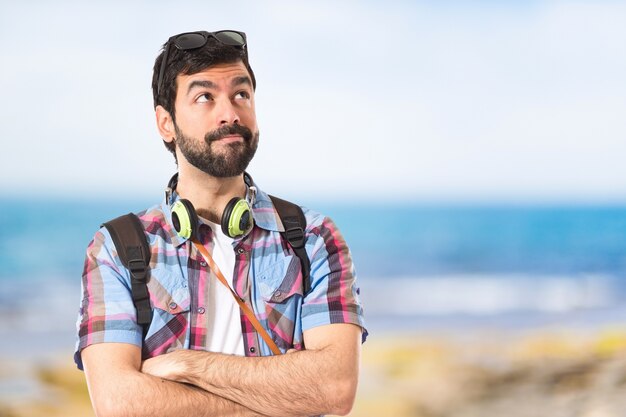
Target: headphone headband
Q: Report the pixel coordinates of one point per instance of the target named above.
(171, 187)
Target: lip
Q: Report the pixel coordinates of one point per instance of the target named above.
(231, 139)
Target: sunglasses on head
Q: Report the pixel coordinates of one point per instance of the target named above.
(194, 40)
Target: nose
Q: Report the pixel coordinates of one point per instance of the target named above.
(227, 113)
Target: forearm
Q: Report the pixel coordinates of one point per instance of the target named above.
(296, 384)
(138, 394)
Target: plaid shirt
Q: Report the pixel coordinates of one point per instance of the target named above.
(267, 277)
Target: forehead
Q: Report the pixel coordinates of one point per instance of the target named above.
(215, 73)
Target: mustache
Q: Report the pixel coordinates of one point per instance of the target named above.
(227, 130)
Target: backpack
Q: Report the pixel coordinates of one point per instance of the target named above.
(132, 246)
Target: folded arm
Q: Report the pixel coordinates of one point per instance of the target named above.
(117, 387)
(319, 380)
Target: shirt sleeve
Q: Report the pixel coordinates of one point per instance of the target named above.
(107, 312)
(334, 295)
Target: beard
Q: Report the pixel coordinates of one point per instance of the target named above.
(231, 161)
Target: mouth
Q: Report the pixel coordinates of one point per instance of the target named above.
(231, 139)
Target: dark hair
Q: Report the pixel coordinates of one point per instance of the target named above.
(189, 62)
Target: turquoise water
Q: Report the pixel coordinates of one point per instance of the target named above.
(431, 260)
(48, 238)
(436, 240)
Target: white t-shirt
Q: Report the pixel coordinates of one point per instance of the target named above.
(224, 324)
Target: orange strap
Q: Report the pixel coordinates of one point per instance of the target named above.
(244, 307)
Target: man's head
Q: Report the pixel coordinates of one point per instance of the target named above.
(203, 91)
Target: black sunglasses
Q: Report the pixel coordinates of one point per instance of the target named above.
(193, 40)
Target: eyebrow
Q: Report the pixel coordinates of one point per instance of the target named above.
(200, 83)
(209, 84)
(244, 79)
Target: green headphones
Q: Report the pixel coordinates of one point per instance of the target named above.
(236, 219)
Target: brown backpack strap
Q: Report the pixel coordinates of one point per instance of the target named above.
(294, 221)
(133, 249)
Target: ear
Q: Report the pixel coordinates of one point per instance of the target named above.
(165, 124)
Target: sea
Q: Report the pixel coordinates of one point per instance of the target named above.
(420, 266)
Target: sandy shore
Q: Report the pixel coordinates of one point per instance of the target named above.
(38, 389)
(507, 374)
(474, 373)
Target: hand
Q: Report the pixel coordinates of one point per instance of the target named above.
(167, 366)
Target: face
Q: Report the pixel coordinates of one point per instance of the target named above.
(216, 129)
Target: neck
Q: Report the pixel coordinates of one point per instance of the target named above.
(209, 195)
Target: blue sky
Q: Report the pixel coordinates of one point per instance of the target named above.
(355, 100)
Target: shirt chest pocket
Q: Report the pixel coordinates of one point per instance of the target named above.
(280, 288)
(170, 299)
(168, 292)
(281, 281)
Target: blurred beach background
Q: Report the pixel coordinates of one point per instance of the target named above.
(470, 152)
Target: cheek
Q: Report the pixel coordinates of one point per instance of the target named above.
(194, 123)
(249, 119)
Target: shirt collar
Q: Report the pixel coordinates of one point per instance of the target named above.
(263, 212)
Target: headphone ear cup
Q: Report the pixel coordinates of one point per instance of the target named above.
(184, 218)
(237, 218)
(228, 211)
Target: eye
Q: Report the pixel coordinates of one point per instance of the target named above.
(204, 98)
(242, 95)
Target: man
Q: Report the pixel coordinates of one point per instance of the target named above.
(201, 355)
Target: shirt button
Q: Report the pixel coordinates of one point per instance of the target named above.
(277, 293)
(201, 310)
(173, 305)
(202, 263)
(240, 251)
(252, 349)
